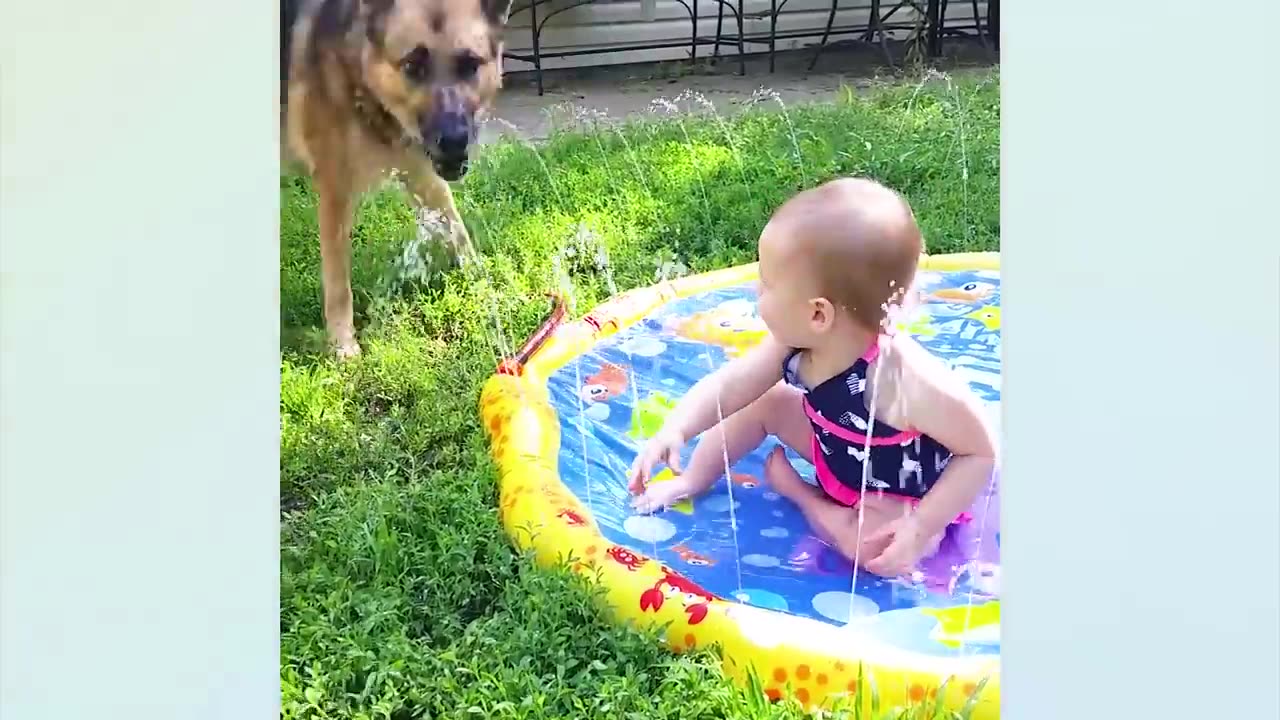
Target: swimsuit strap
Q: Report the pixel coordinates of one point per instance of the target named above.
(873, 352)
(869, 356)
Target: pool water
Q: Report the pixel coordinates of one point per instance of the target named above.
(610, 399)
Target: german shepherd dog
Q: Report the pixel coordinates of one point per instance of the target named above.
(371, 88)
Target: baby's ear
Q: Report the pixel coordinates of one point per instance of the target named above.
(821, 312)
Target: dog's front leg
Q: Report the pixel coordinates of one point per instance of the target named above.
(336, 200)
(431, 193)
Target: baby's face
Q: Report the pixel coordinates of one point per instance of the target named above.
(784, 289)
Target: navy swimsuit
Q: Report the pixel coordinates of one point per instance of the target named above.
(903, 464)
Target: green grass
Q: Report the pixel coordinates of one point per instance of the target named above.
(400, 596)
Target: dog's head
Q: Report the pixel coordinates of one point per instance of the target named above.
(434, 65)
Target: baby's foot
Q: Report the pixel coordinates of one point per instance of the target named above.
(813, 555)
(658, 497)
(806, 553)
(782, 477)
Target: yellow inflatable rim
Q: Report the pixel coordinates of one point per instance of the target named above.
(804, 658)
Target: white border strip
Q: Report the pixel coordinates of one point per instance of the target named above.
(1140, 281)
(139, 325)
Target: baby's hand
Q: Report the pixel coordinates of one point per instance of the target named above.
(662, 448)
(660, 496)
(908, 543)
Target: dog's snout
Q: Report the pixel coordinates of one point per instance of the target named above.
(455, 135)
(449, 132)
(452, 123)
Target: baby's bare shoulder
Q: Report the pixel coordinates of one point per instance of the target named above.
(911, 355)
(939, 402)
(924, 374)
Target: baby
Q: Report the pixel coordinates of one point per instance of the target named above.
(829, 373)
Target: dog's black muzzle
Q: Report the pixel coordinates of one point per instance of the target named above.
(449, 133)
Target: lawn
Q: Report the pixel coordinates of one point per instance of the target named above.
(400, 595)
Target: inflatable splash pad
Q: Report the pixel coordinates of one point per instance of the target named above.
(738, 566)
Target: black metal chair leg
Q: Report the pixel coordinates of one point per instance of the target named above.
(940, 34)
(537, 44)
(826, 34)
(933, 28)
(977, 25)
(715, 52)
(742, 46)
(993, 23)
(693, 39)
(773, 32)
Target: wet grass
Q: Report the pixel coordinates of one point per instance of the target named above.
(400, 596)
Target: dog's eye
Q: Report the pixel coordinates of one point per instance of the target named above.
(417, 64)
(468, 64)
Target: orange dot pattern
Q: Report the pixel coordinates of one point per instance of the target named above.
(808, 685)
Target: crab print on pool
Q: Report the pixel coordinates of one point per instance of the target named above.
(773, 561)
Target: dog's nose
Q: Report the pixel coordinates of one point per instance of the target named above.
(455, 135)
(454, 144)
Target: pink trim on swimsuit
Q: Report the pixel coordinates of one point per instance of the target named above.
(873, 352)
(853, 437)
(838, 491)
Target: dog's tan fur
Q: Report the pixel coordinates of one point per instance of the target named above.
(375, 87)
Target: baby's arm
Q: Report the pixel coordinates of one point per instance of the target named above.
(941, 405)
(713, 399)
(720, 394)
(737, 384)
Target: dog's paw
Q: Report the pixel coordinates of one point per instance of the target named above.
(459, 257)
(347, 350)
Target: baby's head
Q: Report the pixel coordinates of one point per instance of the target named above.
(833, 257)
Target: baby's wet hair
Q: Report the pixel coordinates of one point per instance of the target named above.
(862, 242)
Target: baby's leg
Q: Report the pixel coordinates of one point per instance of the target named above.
(779, 412)
(837, 524)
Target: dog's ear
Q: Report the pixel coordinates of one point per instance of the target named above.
(496, 11)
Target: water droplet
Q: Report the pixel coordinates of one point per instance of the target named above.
(841, 606)
(720, 503)
(649, 528)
